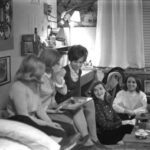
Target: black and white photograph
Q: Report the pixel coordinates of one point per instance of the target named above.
(5, 70)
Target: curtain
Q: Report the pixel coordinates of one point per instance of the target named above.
(119, 34)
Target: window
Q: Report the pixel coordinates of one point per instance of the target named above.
(146, 31)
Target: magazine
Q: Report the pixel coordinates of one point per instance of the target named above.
(73, 103)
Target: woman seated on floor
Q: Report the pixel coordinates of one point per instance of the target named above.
(25, 102)
(131, 100)
(110, 128)
(114, 80)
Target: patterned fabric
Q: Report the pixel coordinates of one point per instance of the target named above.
(106, 118)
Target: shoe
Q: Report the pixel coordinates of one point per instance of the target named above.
(71, 143)
(120, 143)
(83, 140)
(99, 145)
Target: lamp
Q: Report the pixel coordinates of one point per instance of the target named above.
(70, 16)
(75, 18)
(61, 36)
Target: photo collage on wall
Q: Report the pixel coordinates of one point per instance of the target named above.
(6, 25)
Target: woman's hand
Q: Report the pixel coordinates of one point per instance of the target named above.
(54, 125)
(129, 112)
(54, 111)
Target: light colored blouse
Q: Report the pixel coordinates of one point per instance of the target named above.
(47, 92)
(137, 102)
(23, 95)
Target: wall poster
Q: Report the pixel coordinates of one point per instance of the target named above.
(87, 9)
(6, 25)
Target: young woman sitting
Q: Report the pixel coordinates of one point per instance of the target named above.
(131, 100)
(110, 128)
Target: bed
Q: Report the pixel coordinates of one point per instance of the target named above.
(19, 136)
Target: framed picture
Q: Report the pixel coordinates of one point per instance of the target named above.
(6, 25)
(87, 8)
(26, 48)
(147, 87)
(5, 70)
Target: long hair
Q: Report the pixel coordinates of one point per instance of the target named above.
(94, 85)
(28, 68)
(138, 82)
(107, 97)
(50, 57)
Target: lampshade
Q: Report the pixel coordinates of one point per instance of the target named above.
(61, 35)
(75, 16)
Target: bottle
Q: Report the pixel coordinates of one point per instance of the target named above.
(35, 35)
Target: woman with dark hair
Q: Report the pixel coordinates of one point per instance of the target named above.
(110, 128)
(114, 80)
(53, 81)
(77, 56)
(131, 100)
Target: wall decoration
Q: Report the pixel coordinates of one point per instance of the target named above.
(6, 27)
(87, 8)
(5, 70)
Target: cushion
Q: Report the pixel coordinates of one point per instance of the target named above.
(27, 135)
(8, 144)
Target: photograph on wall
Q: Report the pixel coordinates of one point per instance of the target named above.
(6, 25)
(26, 48)
(5, 70)
(86, 8)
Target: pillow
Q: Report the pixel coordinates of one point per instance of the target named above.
(27, 135)
(8, 144)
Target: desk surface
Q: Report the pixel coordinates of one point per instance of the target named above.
(130, 138)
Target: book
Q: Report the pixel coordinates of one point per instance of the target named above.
(73, 103)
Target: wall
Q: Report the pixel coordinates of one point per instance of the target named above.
(27, 16)
(84, 36)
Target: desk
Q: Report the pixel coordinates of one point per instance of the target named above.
(131, 141)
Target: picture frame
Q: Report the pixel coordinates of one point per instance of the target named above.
(27, 48)
(5, 70)
(88, 12)
(147, 87)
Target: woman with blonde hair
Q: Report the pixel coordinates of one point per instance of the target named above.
(25, 103)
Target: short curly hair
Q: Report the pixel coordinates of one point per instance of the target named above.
(76, 52)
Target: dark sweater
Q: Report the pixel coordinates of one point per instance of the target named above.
(73, 88)
(106, 117)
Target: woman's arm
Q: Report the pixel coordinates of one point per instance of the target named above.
(41, 113)
(61, 87)
(141, 107)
